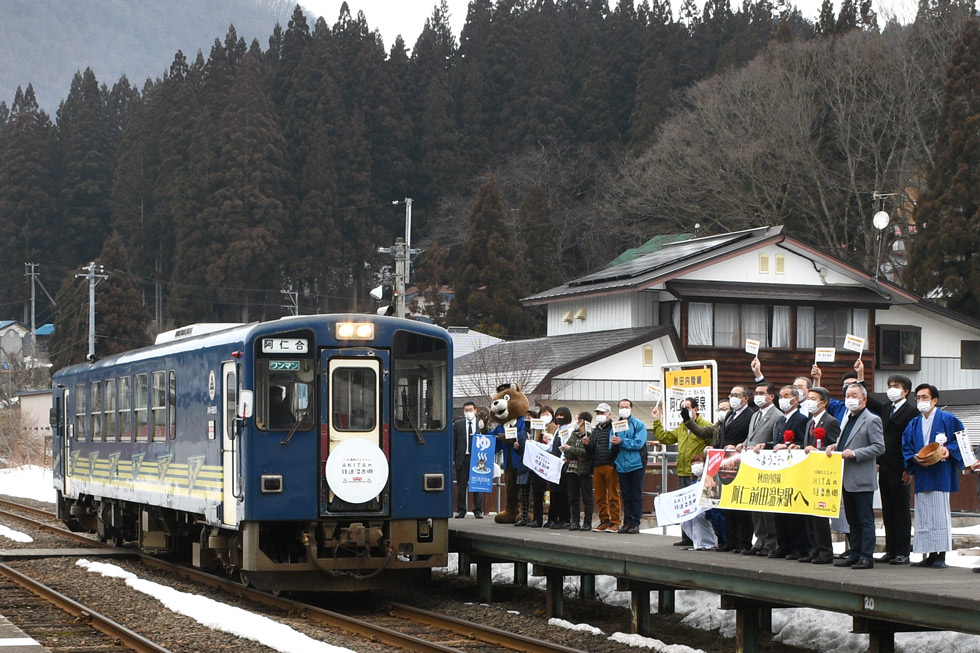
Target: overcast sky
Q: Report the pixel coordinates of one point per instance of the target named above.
(407, 17)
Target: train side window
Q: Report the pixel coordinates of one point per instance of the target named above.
(355, 401)
(421, 386)
(97, 411)
(159, 406)
(142, 403)
(80, 422)
(172, 405)
(125, 409)
(230, 404)
(110, 411)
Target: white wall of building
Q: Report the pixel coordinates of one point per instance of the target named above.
(35, 412)
(745, 268)
(618, 311)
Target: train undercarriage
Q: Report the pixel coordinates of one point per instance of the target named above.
(325, 555)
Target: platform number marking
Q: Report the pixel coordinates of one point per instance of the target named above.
(869, 603)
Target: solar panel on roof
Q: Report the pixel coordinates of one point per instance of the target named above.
(667, 255)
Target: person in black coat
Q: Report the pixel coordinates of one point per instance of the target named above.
(790, 430)
(463, 432)
(893, 481)
(733, 431)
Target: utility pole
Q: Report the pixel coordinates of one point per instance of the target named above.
(293, 305)
(94, 273)
(403, 252)
(30, 272)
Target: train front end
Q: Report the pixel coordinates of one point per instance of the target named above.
(342, 455)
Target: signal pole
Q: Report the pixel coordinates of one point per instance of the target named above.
(94, 273)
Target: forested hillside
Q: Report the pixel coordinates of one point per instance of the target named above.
(257, 168)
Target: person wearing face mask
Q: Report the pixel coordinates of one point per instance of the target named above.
(801, 383)
(558, 513)
(733, 431)
(605, 478)
(631, 463)
(860, 443)
(822, 430)
(537, 484)
(699, 530)
(790, 430)
(463, 432)
(893, 480)
(760, 434)
(837, 407)
(688, 444)
(933, 480)
(579, 450)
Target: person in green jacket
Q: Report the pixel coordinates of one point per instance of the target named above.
(688, 444)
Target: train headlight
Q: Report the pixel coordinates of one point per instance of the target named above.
(355, 331)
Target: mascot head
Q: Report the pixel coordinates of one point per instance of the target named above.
(509, 404)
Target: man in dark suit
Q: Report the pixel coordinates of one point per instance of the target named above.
(735, 431)
(861, 442)
(822, 430)
(463, 431)
(893, 481)
(790, 430)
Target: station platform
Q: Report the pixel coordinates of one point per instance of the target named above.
(882, 600)
(14, 640)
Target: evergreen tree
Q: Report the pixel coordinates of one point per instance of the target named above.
(826, 23)
(847, 19)
(26, 194)
(69, 342)
(654, 91)
(943, 257)
(487, 289)
(86, 167)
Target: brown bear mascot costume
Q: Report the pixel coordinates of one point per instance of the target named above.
(507, 409)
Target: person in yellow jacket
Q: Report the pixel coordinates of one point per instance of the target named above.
(688, 444)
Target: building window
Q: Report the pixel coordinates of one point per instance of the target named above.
(728, 325)
(827, 327)
(899, 347)
(970, 354)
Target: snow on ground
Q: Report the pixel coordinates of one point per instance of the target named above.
(802, 627)
(28, 482)
(219, 616)
(16, 536)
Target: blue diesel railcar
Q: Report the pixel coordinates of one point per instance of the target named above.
(307, 453)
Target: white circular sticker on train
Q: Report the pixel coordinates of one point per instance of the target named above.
(357, 470)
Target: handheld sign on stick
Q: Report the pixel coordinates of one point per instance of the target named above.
(824, 354)
(752, 346)
(854, 343)
(656, 393)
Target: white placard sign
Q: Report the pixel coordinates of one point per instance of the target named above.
(285, 346)
(854, 343)
(541, 462)
(966, 448)
(752, 346)
(510, 432)
(537, 424)
(824, 354)
(621, 426)
(357, 470)
(656, 394)
(680, 505)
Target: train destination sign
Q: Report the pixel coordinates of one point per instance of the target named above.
(285, 346)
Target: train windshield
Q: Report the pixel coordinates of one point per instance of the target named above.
(283, 390)
(420, 366)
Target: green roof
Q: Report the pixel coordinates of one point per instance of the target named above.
(648, 247)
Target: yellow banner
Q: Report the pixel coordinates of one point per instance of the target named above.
(774, 481)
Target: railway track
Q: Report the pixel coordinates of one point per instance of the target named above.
(398, 625)
(61, 624)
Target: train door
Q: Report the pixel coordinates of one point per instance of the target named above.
(229, 444)
(353, 452)
(66, 437)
